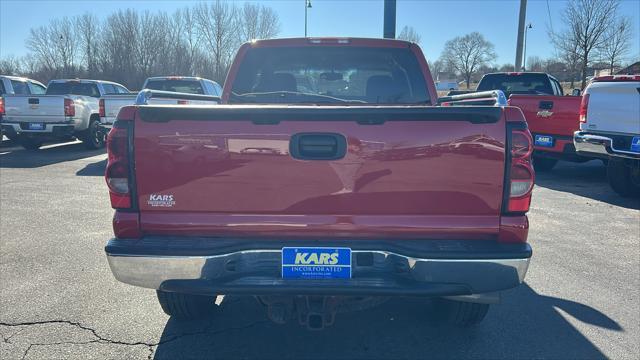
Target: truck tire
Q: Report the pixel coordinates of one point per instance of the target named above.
(93, 138)
(460, 313)
(544, 164)
(186, 306)
(30, 144)
(624, 176)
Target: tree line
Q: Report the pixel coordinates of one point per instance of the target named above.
(128, 46)
(596, 36)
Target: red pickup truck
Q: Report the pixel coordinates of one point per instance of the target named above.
(552, 117)
(328, 179)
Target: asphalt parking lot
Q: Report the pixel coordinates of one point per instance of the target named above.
(58, 298)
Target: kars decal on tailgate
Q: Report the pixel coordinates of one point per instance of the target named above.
(160, 200)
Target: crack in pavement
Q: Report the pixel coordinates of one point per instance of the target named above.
(102, 340)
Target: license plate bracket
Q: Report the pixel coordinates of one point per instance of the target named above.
(316, 263)
(36, 126)
(544, 140)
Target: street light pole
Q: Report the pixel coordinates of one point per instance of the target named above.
(307, 5)
(524, 60)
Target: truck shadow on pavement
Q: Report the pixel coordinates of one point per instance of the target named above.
(587, 180)
(18, 158)
(525, 325)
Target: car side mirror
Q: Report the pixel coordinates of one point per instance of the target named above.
(576, 92)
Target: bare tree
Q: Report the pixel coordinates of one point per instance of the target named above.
(129, 46)
(408, 33)
(617, 42)
(11, 65)
(588, 20)
(219, 27)
(258, 22)
(466, 54)
(535, 63)
(87, 27)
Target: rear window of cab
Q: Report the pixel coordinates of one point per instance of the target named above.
(326, 74)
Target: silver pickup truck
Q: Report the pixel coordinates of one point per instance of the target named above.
(110, 104)
(15, 85)
(68, 108)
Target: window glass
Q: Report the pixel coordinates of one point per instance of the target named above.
(327, 74)
(73, 88)
(2, 90)
(517, 83)
(121, 89)
(20, 87)
(109, 89)
(182, 86)
(218, 89)
(37, 89)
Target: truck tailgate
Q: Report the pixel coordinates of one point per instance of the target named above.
(43, 108)
(405, 171)
(552, 115)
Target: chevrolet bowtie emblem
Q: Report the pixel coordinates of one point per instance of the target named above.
(545, 113)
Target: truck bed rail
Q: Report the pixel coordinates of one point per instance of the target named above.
(146, 94)
(493, 97)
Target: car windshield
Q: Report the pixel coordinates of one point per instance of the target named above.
(517, 84)
(73, 88)
(181, 86)
(325, 74)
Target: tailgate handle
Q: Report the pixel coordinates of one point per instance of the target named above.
(34, 101)
(545, 105)
(318, 146)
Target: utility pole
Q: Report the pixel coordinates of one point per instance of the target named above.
(307, 5)
(521, 21)
(389, 31)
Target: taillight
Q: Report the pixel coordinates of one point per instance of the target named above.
(520, 173)
(118, 165)
(69, 107)
(1, 106)
(183, 102)
(584, 106)
(101, 111)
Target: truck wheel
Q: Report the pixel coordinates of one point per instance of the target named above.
(544, 164)
(93, 138)
(30, 144)
(624, 176)
(186, 306)
(460, 313)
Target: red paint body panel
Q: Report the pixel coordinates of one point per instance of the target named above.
(561, 121)
(398, 170)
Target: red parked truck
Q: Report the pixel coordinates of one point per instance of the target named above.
(328, 179)
(551, 116)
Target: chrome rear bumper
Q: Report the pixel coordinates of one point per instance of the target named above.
(599, 145)
(257, 271)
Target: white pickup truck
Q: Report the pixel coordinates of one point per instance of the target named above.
(12, 85)
(110, 105)
(610, 129)
(68, 108)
